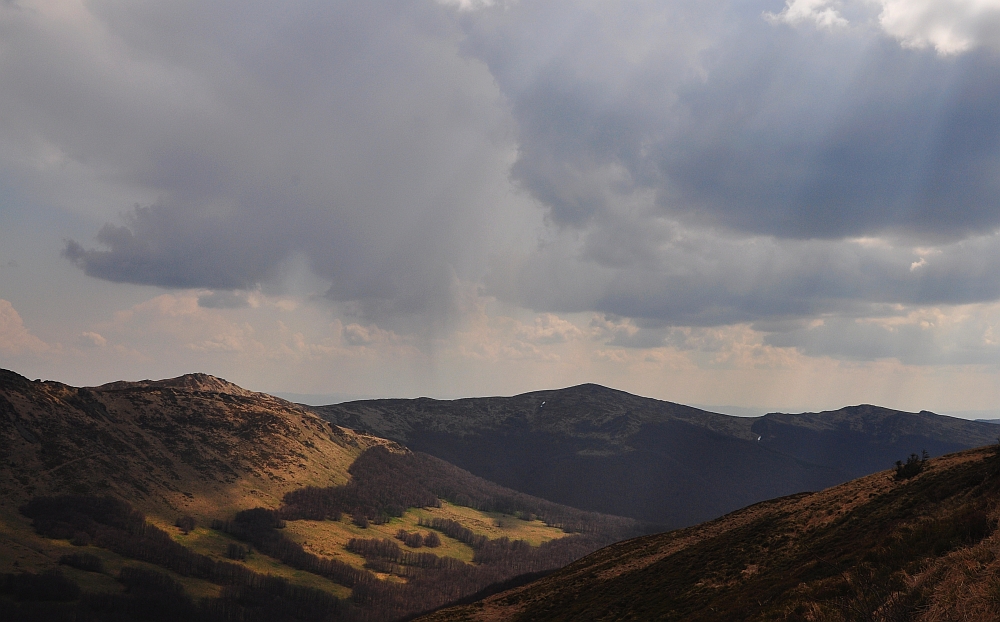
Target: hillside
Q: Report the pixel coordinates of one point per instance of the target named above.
(923, 548)
(610, 451)
(195, 499)
(194, 444)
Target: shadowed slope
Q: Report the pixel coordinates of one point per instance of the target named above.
(608, 451)
(858, 439)
(876, 548)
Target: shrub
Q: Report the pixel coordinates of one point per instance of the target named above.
(413, 540)
(185, 524)
(237, 551)
(913, 466)
(432, 540)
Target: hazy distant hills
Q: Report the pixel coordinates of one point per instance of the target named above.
(609, 451)
(924, 548)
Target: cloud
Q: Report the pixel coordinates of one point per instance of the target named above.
(673, 168)
(380, 154)
(15, 338)
(168, 322)
(624, 333)
(468, 5)
(354, 136)
(371, 336)
(820, 12)
(958, 335)
(164, 247)
(948, 26)
(730, 121)
(224, 300)
(549, 328)
(90, 339)
(702, 279)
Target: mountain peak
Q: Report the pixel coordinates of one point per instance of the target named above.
(188, 382)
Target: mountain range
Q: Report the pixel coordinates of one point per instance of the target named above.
(193, 498)
(609, 451)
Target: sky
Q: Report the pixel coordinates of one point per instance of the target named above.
(762, 204)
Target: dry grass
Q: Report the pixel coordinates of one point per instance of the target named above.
(494, 525)
(213, 544)
(328, 538)
(171, 451)
(22, 550)
(966, 583)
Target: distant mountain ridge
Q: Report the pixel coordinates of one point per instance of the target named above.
(858, 439)
(606, 450)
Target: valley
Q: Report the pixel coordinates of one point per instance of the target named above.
(192, 498)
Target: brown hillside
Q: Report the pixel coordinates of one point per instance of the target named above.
(203, 383)
(195, 499)
(875, 548)
(195, 444)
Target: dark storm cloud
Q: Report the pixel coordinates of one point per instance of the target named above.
(706, 165)
(160, 246)
(914, 148)
(734, 120)
(351, 135)
(910, 343)
(711, 280)
(699, 163)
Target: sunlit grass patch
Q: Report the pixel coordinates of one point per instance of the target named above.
(329, 538)
(213, 543)
(493, 525)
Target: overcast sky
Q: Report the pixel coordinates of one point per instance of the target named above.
(765, 204)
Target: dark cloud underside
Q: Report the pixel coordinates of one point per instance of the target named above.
(698, 163)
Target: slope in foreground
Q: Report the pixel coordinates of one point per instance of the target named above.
(876, 548)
